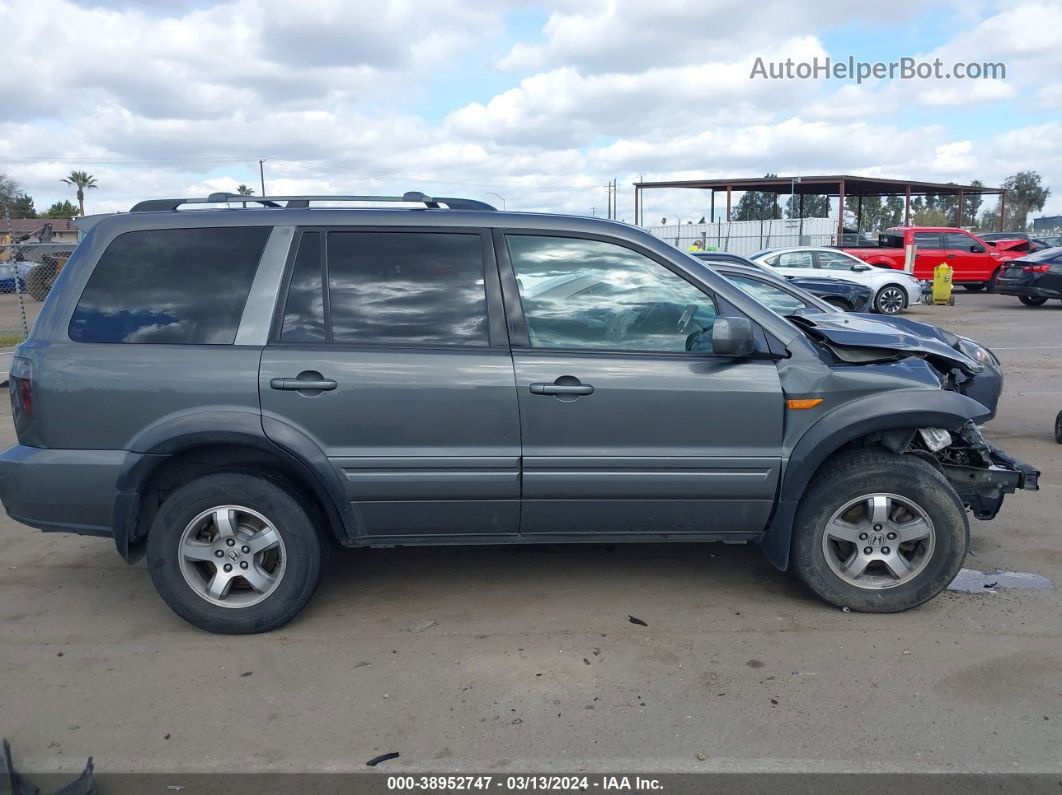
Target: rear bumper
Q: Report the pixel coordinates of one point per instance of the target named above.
(71, 491)
(1027, 290)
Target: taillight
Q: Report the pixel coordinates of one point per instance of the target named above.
(20, 383)
(1036, 268)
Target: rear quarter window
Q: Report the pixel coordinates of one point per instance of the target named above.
(183, 286)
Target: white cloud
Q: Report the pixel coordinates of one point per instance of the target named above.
(334, 93)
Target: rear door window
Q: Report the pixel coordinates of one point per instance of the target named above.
(927, 239)
(183, 286)
(407, 288)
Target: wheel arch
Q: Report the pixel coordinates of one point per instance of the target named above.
(854, 424)
(164, 457)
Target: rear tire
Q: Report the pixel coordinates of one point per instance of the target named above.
(992, 282)
(1058, 427)
(885, 502)
(1032, 300)
(234, 552)
(844, 306)
(974, 287)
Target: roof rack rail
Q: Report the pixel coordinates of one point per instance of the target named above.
(162, 205)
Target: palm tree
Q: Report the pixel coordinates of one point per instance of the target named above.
(81, 180)
(243, 190)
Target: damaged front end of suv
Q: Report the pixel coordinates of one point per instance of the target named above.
(909, 367)
(980, 473)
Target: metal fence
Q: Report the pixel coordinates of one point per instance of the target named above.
(27, 272)
(748, 237)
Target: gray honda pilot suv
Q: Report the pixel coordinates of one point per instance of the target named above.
(229, 390)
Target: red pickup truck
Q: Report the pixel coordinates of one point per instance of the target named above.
(976, 264)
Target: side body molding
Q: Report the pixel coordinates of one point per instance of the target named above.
(242, 428)
(879, 412)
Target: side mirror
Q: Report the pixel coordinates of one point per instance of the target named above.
(976, 249)
(860, 268)
(732, 336)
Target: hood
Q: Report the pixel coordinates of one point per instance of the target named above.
(891, 336)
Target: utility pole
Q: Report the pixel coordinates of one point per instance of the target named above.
(261, 174)
(593, 211)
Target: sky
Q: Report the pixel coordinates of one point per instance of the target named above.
(534, 106)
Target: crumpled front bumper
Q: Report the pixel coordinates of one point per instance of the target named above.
(983, 487)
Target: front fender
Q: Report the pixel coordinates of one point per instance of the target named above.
(855, 420)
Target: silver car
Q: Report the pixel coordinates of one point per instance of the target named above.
(893, 290)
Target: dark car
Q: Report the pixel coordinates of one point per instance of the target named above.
(785, 298)
(1034, 278)
(1011, 241)
(838, 293)
(229, 391)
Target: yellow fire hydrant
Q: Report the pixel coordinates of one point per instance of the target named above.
(942, 285)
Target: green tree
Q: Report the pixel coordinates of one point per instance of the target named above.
(972, 203)
(1025, 193)
(814, 207)
(23, 207)
(876, 215)
(893, 211)
(9, 193)
(63, 209)
(930, 216)
(758, 205)
(83, 181)
(243, 190)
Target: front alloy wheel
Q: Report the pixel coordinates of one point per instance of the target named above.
(878, 540)
(878, 532)
(890, 300)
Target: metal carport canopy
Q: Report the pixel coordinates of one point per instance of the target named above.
(839, 185)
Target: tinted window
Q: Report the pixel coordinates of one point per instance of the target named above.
(407, 288)
(927, 239)
(304, 309)
(955, 241)
(590, 294)
(170, 285)
(769, 295)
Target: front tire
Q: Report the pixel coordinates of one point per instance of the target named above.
(901, 509)
(974, 287)
(234, 552)
(890, 300)
(1032, 300)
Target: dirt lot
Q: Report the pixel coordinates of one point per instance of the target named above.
(532, 663)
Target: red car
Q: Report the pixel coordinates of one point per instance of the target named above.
(976, 263)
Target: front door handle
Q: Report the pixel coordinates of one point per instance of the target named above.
(561, 389)
(565, 386)
(306, 381)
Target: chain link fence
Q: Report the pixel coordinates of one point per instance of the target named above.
(27, 272)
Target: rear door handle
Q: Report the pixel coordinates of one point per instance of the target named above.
(951, 256)
(561, 389)
(298, 385)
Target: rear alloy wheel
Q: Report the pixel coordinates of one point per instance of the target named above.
(1032, 300)
(879, 532)
(234, 552)
(974, 287)
(890, 300)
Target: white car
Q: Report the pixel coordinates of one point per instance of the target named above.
(893, 290)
